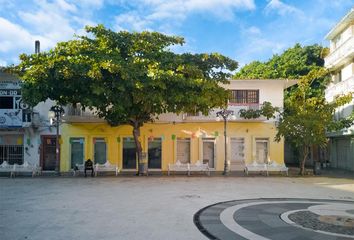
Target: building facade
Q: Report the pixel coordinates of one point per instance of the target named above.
(340, 62)
(186, 137)
(25, 133)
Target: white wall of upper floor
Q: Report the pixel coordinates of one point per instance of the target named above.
(269, 91)
(341, 38)
(340, 62)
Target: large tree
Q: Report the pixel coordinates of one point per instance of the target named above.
(308, 116)
(293, 63)
(128, 78)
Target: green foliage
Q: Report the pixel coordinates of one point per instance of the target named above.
(128, 77)
(308, 116)
(291, 64)
(250, 113)
(266, 110)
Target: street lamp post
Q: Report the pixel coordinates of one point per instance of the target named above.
(225, 114)
(58, 111)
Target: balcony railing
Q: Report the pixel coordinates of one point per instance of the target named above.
(341, 53)
(342, 87)
(234, 107)
(77, 114)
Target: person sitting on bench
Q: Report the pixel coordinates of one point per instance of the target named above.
(89, 166)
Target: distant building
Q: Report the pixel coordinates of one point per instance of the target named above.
(25, 134)
(187, 137)
(340, 62)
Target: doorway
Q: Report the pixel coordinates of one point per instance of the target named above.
(154, 153)
(48, 157)
(100, 150)
(209, 152)
(184, 150)
(77, 151)
(237, 160)
(262, 146)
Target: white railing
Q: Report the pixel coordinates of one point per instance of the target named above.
(342, 87)
(342, 52)
(234, 107)
(77, 114)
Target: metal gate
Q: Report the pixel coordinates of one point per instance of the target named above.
(11, 153)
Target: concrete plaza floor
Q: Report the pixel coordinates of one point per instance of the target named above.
(138, 207)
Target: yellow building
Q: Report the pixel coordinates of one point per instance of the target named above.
(186, 137)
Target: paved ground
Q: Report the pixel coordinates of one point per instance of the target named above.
(277, 219)
(139, 207)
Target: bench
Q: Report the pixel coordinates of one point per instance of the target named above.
(178, 167)
(6, 168)
(20, 168)
(79, 168)
(199, 167)
(106, 167)
(275, 167)
(256, 167)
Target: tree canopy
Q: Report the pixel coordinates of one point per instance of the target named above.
(128, 78)
(308, 116)
(293, 63)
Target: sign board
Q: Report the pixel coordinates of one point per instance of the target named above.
(10, 85)
(10, 92)
(10, 117)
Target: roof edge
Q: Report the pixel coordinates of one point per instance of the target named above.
(340, 25)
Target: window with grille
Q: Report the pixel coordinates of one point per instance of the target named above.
(244, 96)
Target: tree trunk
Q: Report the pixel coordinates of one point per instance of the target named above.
(136, 134)
(305, 152)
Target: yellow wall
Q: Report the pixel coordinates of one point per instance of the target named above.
(195, 131)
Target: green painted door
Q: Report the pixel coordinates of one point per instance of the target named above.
(100, 150)
(77, 151)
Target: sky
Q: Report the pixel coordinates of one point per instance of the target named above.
(244, 30)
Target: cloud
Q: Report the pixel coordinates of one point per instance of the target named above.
(66, 6)
(14, 37)
(131, 21)
(253, 30)
(44, 20)
(173, 13)
(89, 3)
(281, 8)
(223, 9)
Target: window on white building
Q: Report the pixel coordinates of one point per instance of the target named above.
(244, 96)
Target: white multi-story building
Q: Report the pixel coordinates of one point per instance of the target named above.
(25, 133)
(340, 62)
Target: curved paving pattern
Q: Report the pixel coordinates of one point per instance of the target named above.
(291, 218)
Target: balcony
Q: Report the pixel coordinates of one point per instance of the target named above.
(342, 87)
(234, 107)
(341, 54)
(76, 114)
